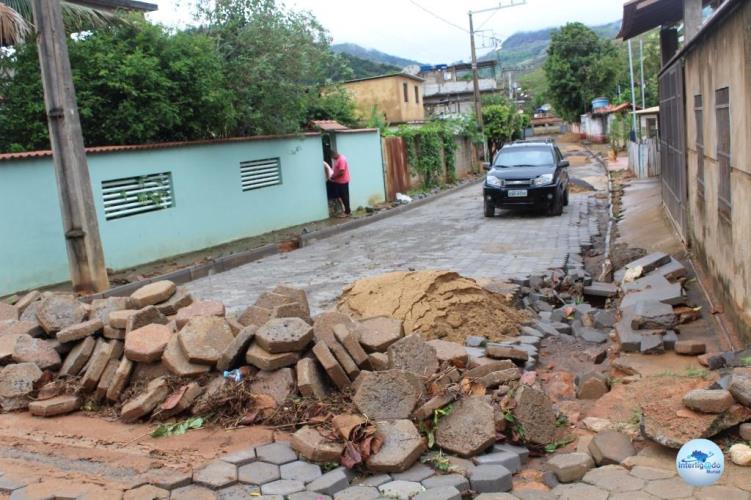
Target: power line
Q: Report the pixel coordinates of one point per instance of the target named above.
(488, 19)
(413, 2)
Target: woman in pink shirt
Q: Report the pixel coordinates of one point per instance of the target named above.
(340, 178)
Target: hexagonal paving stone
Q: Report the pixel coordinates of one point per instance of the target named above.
(284, 335)
(193, 492)
(578, 491)
(146, 491)
(417, 473)
(442, 493)
(276, 453)
(402, 446)
(650, 473)
(240, 457)
(258, 473)
(307, 495)
(300, 471)
(456, 480)
(403, 490)
(358, 493)
(204, 339)
(669, 488)
(490, 478)
(216, 475)
(390, 394)
(613, 478)
(469, 429)
(239, 492)
(330, 483)
(282, 487)
(146, 344)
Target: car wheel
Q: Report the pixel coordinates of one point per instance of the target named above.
(565, 198)
(556, 208)
(489, 209)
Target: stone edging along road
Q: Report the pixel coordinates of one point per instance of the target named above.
(227, 262)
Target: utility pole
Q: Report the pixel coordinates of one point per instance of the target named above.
(475, 72)
(83, 244)
(643, 87)
(633, 94)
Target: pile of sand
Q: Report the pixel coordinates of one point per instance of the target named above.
(437, 304)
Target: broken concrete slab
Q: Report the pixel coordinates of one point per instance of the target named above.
(311, 445)
(674, 270)
(601, 289)
(16, 385)
(199, 308)
(146, 344)
(119, 379)
(143, 404)
(60, 405)
(77, 357)
(650, 262)
(177, 362)
(153, 293)
(671, 294)
(27, 299)
(534, 413)
(653, 315)
(505, 458)
(38, 351)
(279, 384)
(204, 339)
(402, 446)
(332, 367)
(311, 379)
(588, 334)
(413, 354)
(79, 330)
(179, 300)
(142, 317)
(377, 334)
(604, 319)
(469, 429)
(97, 363)
(708, 401)
(235, 352)
(379, 361)
(31, 328)
(59, 311)
(281, 335)
(264, 360)
(387, 395)
(450, 352)
(611, 448)
(330, 483)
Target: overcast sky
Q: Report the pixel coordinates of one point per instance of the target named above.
(403, 28)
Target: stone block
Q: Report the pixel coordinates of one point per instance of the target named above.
(180, 299)
(276, 453)
(59, 405)
(254, 316)
(332, 367)
(270, 300)
(426, 410)
(489, 367)
(143, 404)
(282, 335)
(147, 491)
(490, 478)
(378, 333)
(204, 339)
(570, 467)
(300, 471)
(499, 351)
(600, 289)
(379, 361)
(146, 344)
(199, 308)
(441, 493)
(216, 475)
(234, 353)
(311, 445)
(345, 360)
(79, 330)
(330, 483)
(610, 448)
(142, 317)
(690, 347)
(358, 493)
(508, 459)
(282, 487)
(401, 490)
(650, 315)
(469, 429)
(258, 473)
(650, 262)
(296, 294)
(266, 361)
(592, 385)
(402, 446)
(97, 363)
(324, 323)
(311, 379)
(350, 341)
(38, 351)
(176, 361)
(180, 401)
(59, 311)
(672, 294)
(708, 401)
(740, 388)
(240, 457)
(412, 354)
(388, 395)
(279, 384)
(458, 481)
(153, 293)
(108, 376)
(534, 413)
(495, 379)
(193, 492)
(119, 318)
(120, 379)
(78, 357)
(522, 451)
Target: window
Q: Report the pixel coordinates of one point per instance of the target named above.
(405, 87)
(699, 117)
(136, 195)
(257, 174)
(417, 94)
(722, 110)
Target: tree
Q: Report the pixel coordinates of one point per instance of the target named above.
(502, 123)
(276, 62)
(580, 66)
(135, 83)
(16, 19)
(652, 66)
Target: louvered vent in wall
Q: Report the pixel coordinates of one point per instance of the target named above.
(136, 195)
(258, 174)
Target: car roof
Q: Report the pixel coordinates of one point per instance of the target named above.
(520, 145)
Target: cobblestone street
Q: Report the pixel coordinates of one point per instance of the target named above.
(448, 233)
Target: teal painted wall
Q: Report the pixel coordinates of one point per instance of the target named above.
(364, 154)
(209, 209)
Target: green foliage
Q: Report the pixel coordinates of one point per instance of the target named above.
(558, 443)
(438, 460)
(135, 83)
(372, 55)
(429, 146)
(334, 104)
(580, 66)
(535, 84)
(428, 429)
(177, 428)
(619, 131)
(503, 123)
(357, 67)
(652, 66)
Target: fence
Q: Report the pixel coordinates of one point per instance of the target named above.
(644, 158)
(163, 200)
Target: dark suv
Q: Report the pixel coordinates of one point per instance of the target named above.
(527, 174)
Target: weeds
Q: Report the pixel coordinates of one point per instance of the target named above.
(636, 416)
(438, 460)
(177, 428)
(558, 443)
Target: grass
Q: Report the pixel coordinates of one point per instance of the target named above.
(690, 373)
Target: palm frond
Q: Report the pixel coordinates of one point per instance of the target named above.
(13, 27)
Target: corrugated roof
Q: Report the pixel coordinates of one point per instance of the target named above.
(390, 75)
(26, 155)
(649, 111)
(610, 108)
(327, 125)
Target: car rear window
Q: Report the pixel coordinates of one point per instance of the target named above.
(526, 156)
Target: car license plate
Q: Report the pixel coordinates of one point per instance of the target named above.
(517, 193)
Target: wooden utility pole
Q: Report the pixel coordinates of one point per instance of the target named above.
(83, 244)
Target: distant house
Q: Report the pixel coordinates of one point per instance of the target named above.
(705, 118)
(449, 90)
(397, 97)
(596, 126)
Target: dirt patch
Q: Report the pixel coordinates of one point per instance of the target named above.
(438, 304)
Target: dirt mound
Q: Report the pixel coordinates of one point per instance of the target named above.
(438, 304)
